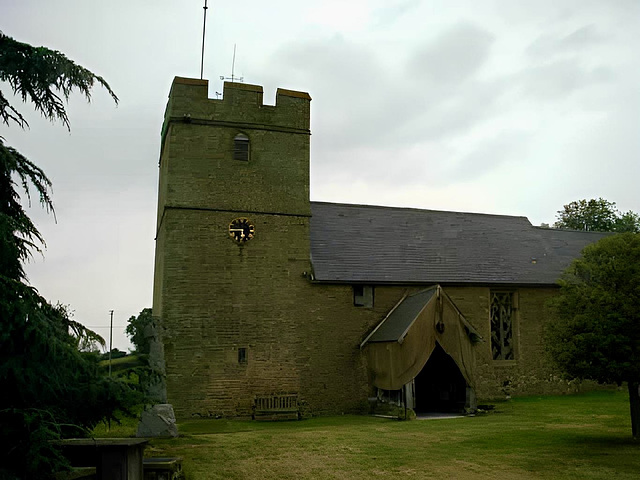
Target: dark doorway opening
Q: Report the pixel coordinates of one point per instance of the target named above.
(440, 387)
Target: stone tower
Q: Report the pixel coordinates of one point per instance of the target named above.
(232, 245)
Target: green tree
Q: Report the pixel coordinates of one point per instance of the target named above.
(597, 215)
(596, 334)
(49, 389)
(628, 222)
(136, 330)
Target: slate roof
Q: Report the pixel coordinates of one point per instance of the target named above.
(397, 323)
(386, 245)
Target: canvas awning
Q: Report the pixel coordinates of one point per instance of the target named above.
(399, 347)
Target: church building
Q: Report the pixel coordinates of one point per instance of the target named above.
(268, 301)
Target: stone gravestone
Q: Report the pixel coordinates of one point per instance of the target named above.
(157, 420)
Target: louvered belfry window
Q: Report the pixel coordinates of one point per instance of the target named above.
(502, 316)
(241, 147)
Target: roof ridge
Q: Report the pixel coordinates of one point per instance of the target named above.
(416, 209)
(570, 230)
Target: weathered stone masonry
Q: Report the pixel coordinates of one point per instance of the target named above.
(215, 296)
(247, 319)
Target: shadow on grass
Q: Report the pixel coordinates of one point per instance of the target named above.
(605, 441)
(222, 426)
(586, 456)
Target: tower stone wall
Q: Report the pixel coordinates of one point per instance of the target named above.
(241, 319)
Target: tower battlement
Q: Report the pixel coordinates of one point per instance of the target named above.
(241, 104)
(198, 158)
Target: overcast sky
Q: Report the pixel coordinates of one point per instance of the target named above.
(507, 107)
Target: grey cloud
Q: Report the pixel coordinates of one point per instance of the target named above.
(375, 122)
(393, 107)
(582, 37)
(336, 58)
(490, 155)
(455, 56)
(351, 89)
(388, 15)
(403, 165)
(547, 46)
(561, 78)
(553, 12)
(382, 167)
(453, 112)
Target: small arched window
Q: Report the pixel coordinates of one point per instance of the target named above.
(241, 147)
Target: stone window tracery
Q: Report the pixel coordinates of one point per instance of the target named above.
(502, 319)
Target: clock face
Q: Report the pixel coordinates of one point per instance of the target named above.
(241, 230)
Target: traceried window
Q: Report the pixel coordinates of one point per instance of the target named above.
(241, 147)
(502, 319)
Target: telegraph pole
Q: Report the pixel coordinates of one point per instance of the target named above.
(110, 340)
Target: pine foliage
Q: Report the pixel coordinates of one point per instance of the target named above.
(49, 389)
(18, 234)
(44, 77)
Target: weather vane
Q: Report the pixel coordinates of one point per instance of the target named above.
(204, 25)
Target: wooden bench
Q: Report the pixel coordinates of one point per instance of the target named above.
(156, 468)
(278, 406)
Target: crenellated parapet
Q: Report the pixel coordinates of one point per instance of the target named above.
(201, 137)
(241, 105)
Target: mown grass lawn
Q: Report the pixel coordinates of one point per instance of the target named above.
(584, 436)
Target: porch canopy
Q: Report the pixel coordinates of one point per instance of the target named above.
(399, 347)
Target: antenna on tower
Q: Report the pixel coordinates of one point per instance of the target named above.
(204, 25)
(233, 62)
(233, 67)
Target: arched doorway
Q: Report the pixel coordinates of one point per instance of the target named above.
(440, 387)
